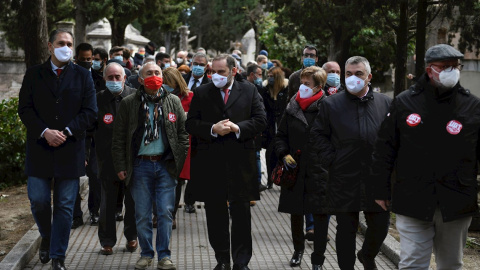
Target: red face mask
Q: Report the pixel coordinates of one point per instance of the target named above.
(153, 82)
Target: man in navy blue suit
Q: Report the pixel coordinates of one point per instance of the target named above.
(57, 104)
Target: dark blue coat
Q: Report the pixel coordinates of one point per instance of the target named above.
(48, 101)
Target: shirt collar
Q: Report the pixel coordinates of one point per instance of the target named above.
(192, 79)
(54, 68)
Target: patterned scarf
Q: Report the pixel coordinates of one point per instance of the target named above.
(151, 133)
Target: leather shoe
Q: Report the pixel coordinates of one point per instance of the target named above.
(296, 259)
(132, 246)
(94, 217)
(118, 216)
(77, 222)
(310, 235)
(44, 251)
(222, 266)
(316, 267)
(367, 264)
(106, 250)
(58, 264)
(240, 267)
(262, 188)
(190, 208)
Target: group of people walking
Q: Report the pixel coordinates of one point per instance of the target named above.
(345, 140)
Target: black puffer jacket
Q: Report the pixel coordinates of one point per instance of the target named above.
(342, 139)
(432, 143)
(292, 135)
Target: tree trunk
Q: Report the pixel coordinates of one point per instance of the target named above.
(35, 31)
(402, 43)
(421, 37)
(80, 22)
(118, 32)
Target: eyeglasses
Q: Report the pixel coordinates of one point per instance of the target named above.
(309, 55)
(449, 68)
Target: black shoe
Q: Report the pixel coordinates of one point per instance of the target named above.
(367, 264)
(190, 208)
(316, 267)
(118, 216)
(269, 185)
(94, 217)
(310, 235)
(77, 222)
(58, 264)
(222, 266)
(240, 267)
(262, 188)
(296, 259)
(44, 251)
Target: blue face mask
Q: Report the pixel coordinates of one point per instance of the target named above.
(198, 70)
(169, 89)
(265, 66)
(96, 65)
(258, 81)
(114, 86)
(333, 79)
(118, 57)
(271, 81)
(308, 62)
(167, 65)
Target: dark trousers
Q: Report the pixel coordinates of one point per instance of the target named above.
(94, 192)
(298, 237)
(271, 160)
(219, 235)
(187, 197)
(320, 238)
(347, 226)
(108, 206)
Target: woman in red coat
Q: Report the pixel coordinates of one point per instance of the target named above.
(174, 83)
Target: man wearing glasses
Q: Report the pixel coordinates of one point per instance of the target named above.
(309, 58)
(197, 77)
(430, 138)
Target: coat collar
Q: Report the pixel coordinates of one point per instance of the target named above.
(50, 78)
(294, 109)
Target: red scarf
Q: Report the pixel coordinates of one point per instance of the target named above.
(306, 102)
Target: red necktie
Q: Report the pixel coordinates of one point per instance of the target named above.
(225, 98)
(59, 71)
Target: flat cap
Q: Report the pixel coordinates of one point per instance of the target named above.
(442, 52)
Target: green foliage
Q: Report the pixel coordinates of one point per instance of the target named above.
(12, 145)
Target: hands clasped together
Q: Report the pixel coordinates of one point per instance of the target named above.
(54, 137)
(224, 127)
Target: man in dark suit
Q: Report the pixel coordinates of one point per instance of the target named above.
(197, 77)
(224, 118)
(57, 104)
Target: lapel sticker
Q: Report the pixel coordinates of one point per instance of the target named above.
(454, 127)
(413, 120)
(108, 118)
(332, 90)
(172, 117)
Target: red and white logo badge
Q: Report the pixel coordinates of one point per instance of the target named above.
(108, 118)
(454, 127)
(413, 120)
(332, 90)
(172, 117)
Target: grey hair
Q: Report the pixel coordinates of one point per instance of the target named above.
(113, 64)
(140, 72)
(359, 59)
(147, 59)
(199, 54)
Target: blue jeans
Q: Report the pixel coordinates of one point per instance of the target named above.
(152, 182)
(58, 230)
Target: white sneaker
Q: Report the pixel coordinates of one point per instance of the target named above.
(143, 263)
(166, 263)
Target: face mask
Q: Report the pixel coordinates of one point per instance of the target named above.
(153, 82)
(118, 57)
(271, 81)
(142, 54)
(114, 86)
(63, 54)
(447, 79)
(179, 60)
(333, 79)
(96, 65)
(258, 81)
(308, 62)
(354, 84)
(264, 66)
(167, 65)
(305, 91)
(169, 89)
(198, 70)
(85, 64)
(219, 80)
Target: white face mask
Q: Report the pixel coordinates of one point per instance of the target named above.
(305, 92)
(63, 54)
(447, 79)
(219, 80)
(354, 84)
(179, 60)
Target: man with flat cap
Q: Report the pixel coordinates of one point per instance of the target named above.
(430, 138)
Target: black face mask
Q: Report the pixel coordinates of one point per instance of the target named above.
(84, 64)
